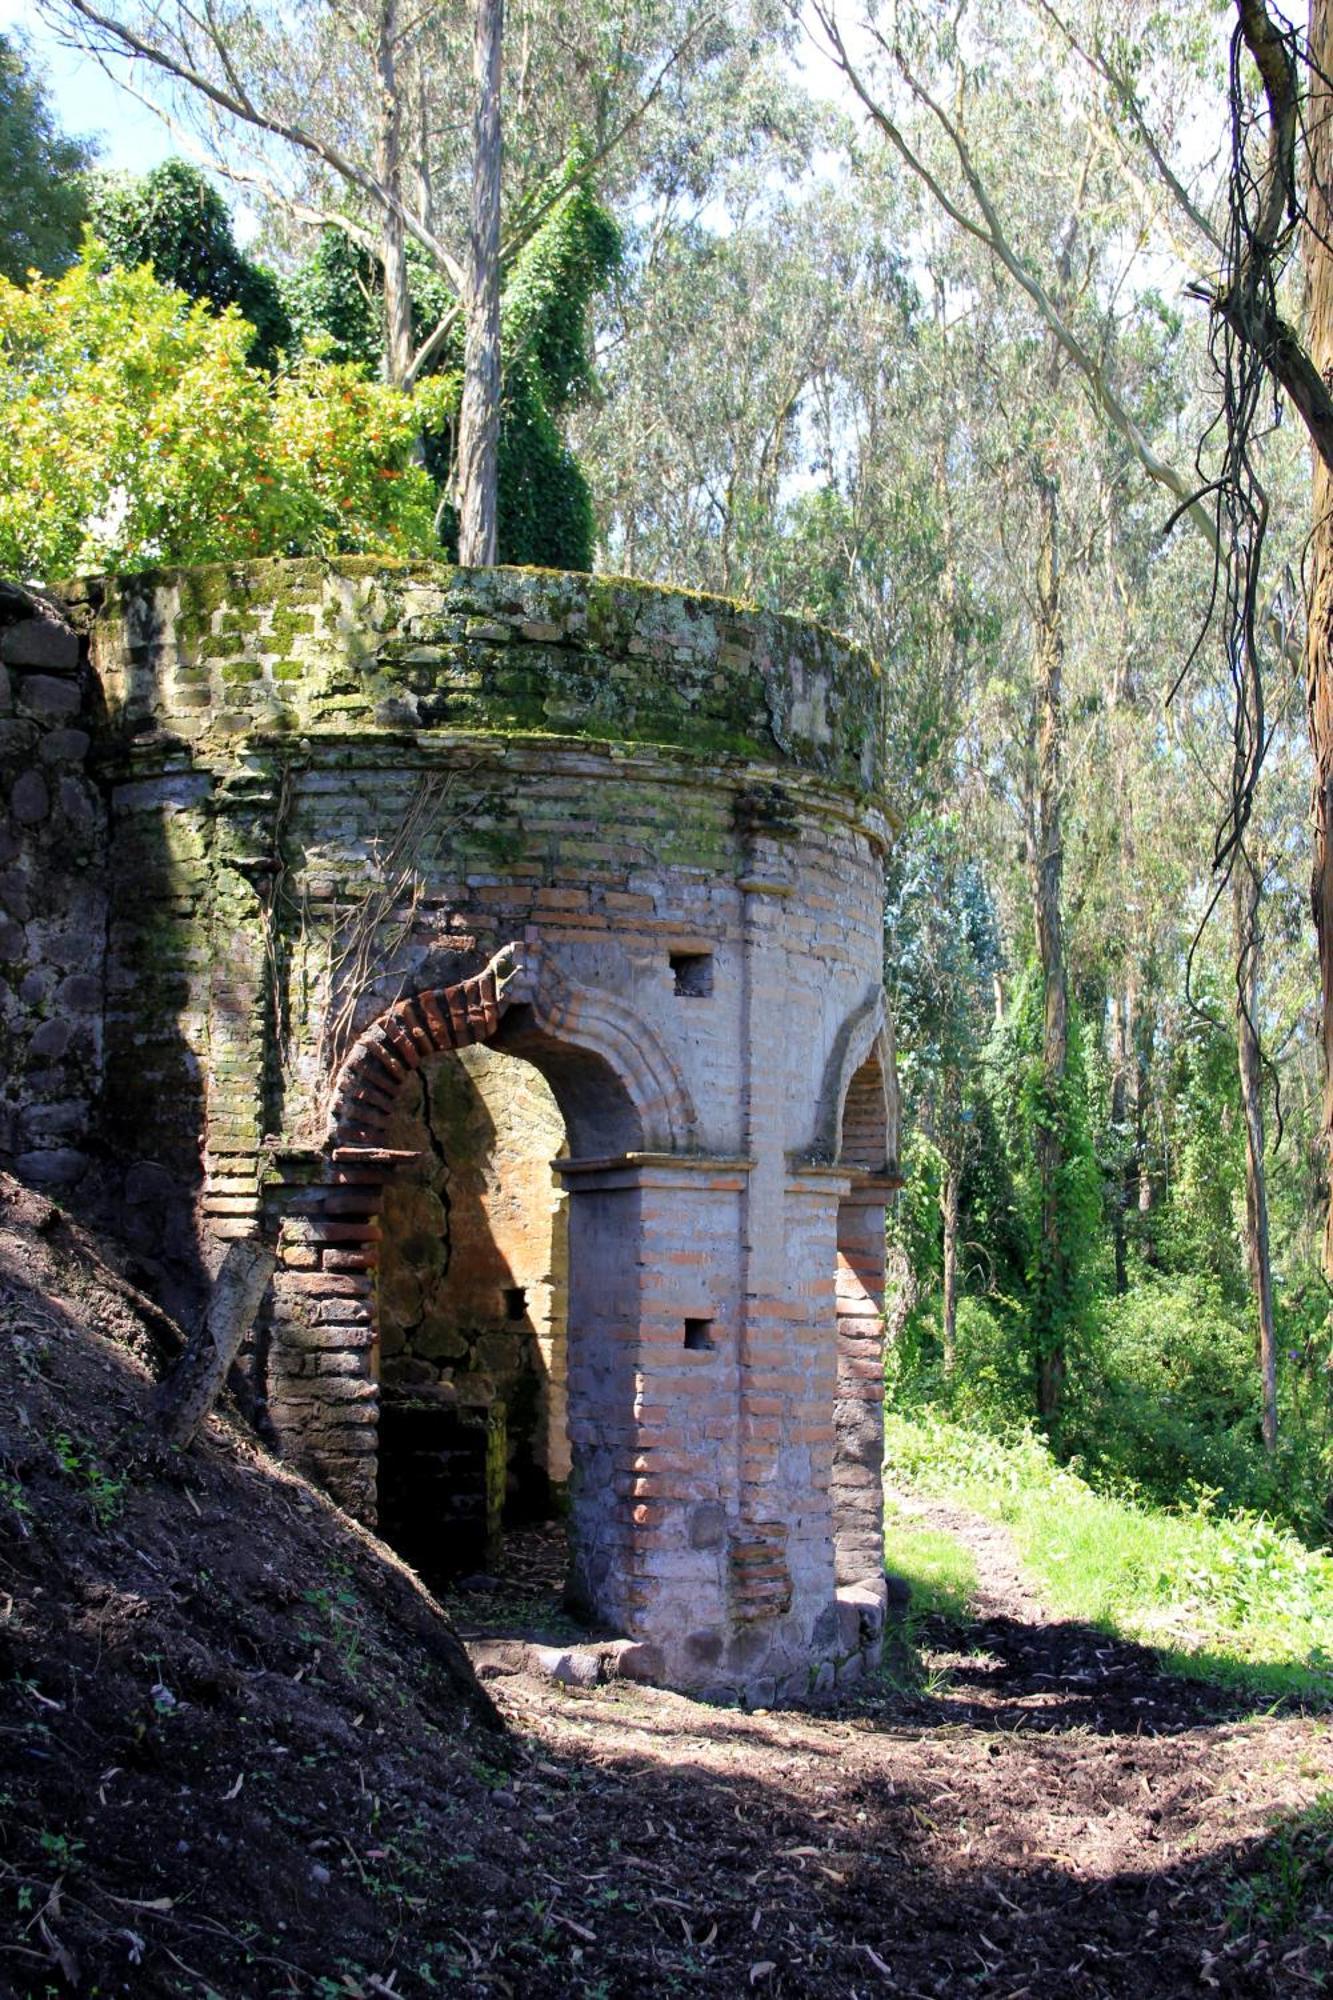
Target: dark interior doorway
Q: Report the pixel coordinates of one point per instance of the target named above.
(471, 1319)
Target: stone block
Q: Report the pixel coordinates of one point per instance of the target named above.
(61, 1166)
(40, 642)
(44, 695)
(708, 1526)
(642, 1661)
(81, 992)
(64, 746)
(868, 1600)
(573, 1666)
(30, 798)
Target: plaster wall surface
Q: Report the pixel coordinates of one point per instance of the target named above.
(360, 819)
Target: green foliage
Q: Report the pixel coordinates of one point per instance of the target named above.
(940, 1571)
(991, 1385)
(1170, 1406)
(42, 196)
(79, 1463)
(135, 432)
(1197, 1226)
(1288, 1888)
(330, 299)
(1060, 1262)
(942, 951)
(174, 219)
(545, 509)
(1230, 1597)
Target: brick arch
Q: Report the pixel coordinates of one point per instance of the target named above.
(856, 1117)
(557, 1015)
(412, 1031)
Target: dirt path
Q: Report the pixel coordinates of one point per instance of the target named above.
(237, 1758)
(1053, 1817)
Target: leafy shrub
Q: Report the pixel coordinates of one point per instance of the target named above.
(1170, 1406)
(991, 1386)
(174, 219)
(134, 432)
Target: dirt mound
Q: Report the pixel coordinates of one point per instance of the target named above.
(224, 1708)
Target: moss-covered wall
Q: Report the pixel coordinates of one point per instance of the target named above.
(300, 646)
(642, 830)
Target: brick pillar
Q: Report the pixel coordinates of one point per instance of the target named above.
(322, 1398)
(652, 1342)
(858, 1495)
(804, 1380)
(237, 1060)
(761, 1578)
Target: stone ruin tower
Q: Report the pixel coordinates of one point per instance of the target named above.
(507, 946)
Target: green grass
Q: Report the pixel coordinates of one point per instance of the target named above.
(1288, 1892)
(941, 1572)
(1224, 1597)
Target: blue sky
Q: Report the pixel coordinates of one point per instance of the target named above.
(87, 104)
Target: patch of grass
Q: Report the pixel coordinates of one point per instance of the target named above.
(940, 1572)
(1224, 1597)
(1288, 1893)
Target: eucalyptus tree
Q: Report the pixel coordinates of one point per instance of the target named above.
(368, 115)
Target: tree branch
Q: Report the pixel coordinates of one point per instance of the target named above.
(990, 231)
(237, 103)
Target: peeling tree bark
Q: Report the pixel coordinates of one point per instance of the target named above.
(393, 233)
(949, 1212)
(1319, 636)
(479, 418)
(190, 1391)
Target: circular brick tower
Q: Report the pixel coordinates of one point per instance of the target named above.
(508, 945)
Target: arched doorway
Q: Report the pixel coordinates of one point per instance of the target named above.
(370, 1234)
(471, 1313)
(868, 1142)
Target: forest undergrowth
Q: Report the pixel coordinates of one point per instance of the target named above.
(1231, 1597)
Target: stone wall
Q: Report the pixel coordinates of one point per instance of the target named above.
(361, 819)
(53, 899)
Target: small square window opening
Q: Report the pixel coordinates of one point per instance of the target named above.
(699, 1336)
(693, 972)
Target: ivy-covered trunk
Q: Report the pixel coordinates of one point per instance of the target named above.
(1245, 906)
(479, 417)
(949, 1213)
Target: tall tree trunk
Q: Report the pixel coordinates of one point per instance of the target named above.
(389, 170)
(949, 1212)
(1319, 639)
(1245, 905)
(1046, 862)
(1121, 1056)
(479, 418)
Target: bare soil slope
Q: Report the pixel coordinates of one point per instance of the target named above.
(241, 1754)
